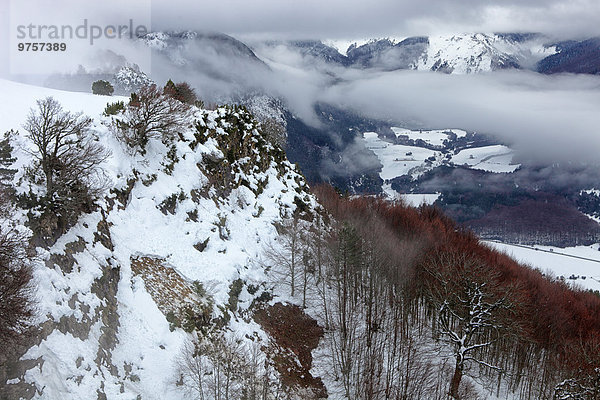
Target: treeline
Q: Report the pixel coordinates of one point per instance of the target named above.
(413, 306)
(551, 221)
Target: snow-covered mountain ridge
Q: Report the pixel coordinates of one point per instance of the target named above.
(196, 212)
(459, 54)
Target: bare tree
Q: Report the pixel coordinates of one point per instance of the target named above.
(290, 255)
(192, 370)
(471, 310)
(16, 307)
(69, 159)
(151, 113)
(66, 153)
(223, 368)
(582, 388)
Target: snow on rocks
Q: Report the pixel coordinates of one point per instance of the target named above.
(105, 332)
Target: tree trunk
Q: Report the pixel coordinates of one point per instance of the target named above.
(455, 382)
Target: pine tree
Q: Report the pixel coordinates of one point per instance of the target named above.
(103, 88)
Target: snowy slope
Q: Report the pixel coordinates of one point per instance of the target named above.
(17, 98)
(577, 265)
(474, 53)
(433, 137)
(495, 158)
(104, 331)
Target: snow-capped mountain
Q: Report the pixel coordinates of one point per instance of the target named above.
(459, 54)
(463, 54)
(179, 44)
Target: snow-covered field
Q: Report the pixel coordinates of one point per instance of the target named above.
(496, 158)
(571, 262)
(397, 159)
(411, 199)
(418, 199)
(434, 137)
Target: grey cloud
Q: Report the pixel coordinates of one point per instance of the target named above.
(342, 19)
(548, 117)
(352, 19)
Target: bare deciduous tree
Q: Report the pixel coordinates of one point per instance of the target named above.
(471, 311)
(16, 308)
(70, 159)
(66, 153)
(581, 388)
(221, 368)
(150, 114)
(290, 256)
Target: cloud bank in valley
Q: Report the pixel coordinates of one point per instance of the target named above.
(549, 117)
(552, 117)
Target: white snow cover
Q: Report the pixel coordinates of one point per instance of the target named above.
(479, 52)
(397, 159)
(433, 137)
(418, 199)
(579, 265)
(142, 360)
(496, 158)
(411, 199)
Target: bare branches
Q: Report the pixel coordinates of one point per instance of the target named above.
(470, 309)
(16, 308)
(222, 368)
(67, 155)
(69, 159)
(150, 114)
(291, 255)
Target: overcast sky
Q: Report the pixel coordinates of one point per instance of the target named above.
(335, 19)
(316, 19)
(339, 19)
